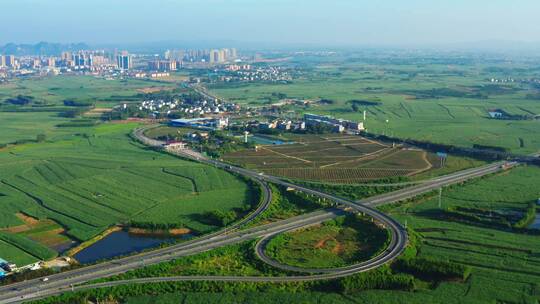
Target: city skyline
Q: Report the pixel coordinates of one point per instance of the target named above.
(417, 23)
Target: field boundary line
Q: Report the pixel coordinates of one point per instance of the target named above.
(357, 159)
(287, 156)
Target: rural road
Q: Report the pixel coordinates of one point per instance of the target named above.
(70, 280)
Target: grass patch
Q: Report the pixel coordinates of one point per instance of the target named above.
(341, 242)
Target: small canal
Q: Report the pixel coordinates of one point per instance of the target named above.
(120, 243)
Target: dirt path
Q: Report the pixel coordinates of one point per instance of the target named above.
(287, 156)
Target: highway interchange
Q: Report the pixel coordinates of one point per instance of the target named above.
(72, 280)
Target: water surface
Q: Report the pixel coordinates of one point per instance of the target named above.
(120, 243)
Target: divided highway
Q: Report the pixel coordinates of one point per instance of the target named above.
(72, 280)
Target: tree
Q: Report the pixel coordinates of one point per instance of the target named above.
(354, 107)
(41, 137)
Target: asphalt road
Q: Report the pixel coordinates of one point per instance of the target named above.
(59, 283)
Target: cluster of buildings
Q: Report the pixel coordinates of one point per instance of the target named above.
(285, 125)
(222, 56)
(164, 65)
(247, 73)
(513, 80)
(206, 56)
(192, 108)
(96, 62)
(496, 113)
(338, 125)
(114, 63)
(149, 74)
(8, 61)
(238, 67)
(502, 80)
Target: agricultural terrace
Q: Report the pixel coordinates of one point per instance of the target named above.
(443, 102)
(75, 188)
(335, 158)
(340, 242)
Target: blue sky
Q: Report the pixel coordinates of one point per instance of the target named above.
(324, 22)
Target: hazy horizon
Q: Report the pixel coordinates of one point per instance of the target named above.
(416, 23)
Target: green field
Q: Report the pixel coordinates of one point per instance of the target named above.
(88, 182)
(15, 255)
(341, 242)
(444, 103)
(42, 116)
(26, 126)
(506, 264)
(54, 90)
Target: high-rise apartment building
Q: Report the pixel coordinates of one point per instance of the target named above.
(10, 61)
(222, 55)
(123, 61)
(214, 56)
(51, 62)
(2, 61)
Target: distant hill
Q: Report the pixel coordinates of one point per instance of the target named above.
(41, 48)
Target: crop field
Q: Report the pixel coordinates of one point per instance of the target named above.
(442, 103)
(45, 232)
(54, 90)
(26, 122)
(88, 182)
(506, 264)
(15, 255)
(333, 158)
(341, 242)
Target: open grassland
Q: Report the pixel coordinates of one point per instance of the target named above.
(333, 158)
(505, 264)
(433, 102)
(341, 242)
(89, 182)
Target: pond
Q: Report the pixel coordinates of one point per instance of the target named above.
(536, 223)
(268, 141)
(121, 243)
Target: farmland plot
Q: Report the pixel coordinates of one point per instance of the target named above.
(88, 183)
(333, 158)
